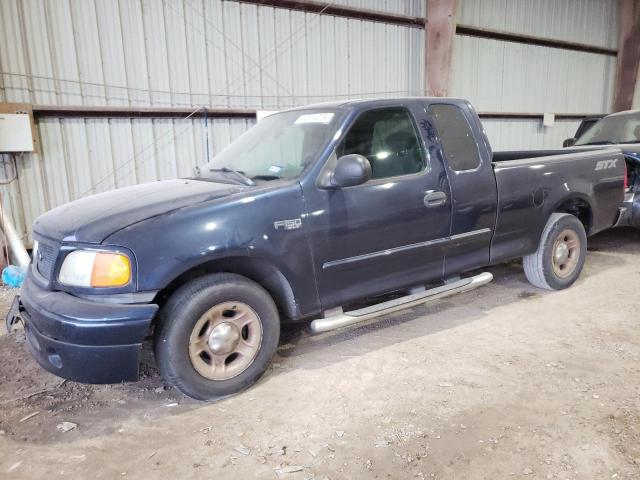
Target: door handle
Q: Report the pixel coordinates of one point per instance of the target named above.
(435, 199)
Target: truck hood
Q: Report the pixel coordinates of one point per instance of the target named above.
(92, 219)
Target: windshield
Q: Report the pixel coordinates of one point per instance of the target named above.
(613, 129)
(279, 146)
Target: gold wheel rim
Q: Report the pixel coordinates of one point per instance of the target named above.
(225, 340)
(565, 253)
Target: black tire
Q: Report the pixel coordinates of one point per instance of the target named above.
(539, 266)
(178, 318)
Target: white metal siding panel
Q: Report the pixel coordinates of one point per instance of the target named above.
(527, 134)
(250, 49)
(88, 52)
(11, 57)
(37, 53)
(56, 183)
(63, 52)
(196, 57)
(112, 50)
(593, 22)
(513, 77)
(136, 67)
(200, 52)
(214, 40)
(121, 139)
(178, 64)
(85, 156)
(156, 52)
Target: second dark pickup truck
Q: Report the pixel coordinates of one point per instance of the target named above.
(312, 214)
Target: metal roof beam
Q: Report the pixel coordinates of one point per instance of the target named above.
(531, 40)
(60, 111)
(313, 6)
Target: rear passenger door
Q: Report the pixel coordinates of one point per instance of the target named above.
(460, 144)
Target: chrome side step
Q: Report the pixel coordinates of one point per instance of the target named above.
(337, 319)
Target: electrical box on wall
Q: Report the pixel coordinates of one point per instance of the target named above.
(15, 133)
(18, 131)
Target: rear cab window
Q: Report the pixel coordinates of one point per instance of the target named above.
(456, 138)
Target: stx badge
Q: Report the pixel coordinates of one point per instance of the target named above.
(292, 224)
(605, 164)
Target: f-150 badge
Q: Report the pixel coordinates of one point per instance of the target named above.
(292, 224)
(605, 164)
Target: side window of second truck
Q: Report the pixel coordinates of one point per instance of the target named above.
(456, 138)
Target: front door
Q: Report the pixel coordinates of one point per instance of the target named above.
(390, 232)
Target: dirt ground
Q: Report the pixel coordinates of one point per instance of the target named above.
(507, 381)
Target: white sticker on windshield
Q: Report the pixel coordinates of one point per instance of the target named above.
(275, 169)
(315, 118)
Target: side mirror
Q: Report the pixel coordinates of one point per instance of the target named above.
(569, 142)
(351, 170)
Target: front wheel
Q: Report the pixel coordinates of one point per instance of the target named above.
(216, 336)
(560, 256)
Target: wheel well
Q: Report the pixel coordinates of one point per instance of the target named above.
(579, 208)
(258, 270)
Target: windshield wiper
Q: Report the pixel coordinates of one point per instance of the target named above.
(602, 142)
(266, 177)
(239, 175)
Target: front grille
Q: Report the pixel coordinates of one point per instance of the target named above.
(46, 259)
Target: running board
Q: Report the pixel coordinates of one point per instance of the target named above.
(343, 319)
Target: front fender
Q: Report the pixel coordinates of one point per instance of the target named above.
(167, 246)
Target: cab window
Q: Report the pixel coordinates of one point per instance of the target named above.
(456, 138)
(388, 139)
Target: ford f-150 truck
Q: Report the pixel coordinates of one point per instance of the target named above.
(316, 213)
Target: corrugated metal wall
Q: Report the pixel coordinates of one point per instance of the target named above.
(198, 52)
(220, 53)
(592, 22)
(502, 76)
(177, 53)
(519, 134)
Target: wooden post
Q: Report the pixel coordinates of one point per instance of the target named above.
(440, 25)
(628, 55)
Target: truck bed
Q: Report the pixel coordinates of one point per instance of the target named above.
(531, 184)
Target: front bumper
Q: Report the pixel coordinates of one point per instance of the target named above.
(82, 340)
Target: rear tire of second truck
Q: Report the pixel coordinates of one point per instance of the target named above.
(216, 336)
(560, 256)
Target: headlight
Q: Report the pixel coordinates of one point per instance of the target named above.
(90, 268)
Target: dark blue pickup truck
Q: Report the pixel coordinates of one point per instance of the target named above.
(313, 214)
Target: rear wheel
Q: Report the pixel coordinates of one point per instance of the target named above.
(216, 336)
(560, 256)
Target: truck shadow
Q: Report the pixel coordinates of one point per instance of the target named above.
(26, 389)
(509, 285)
